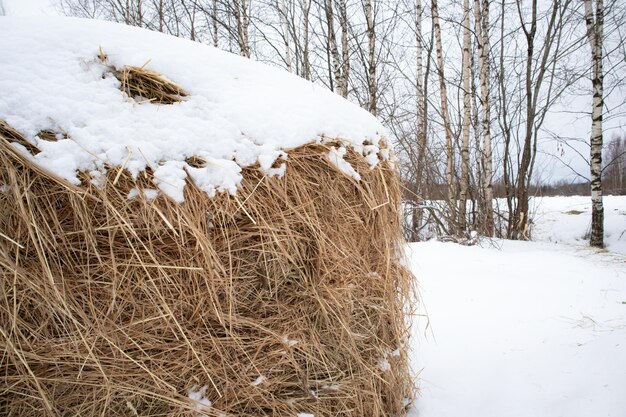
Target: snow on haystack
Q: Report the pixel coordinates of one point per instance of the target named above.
(65, 78)
(185, 232)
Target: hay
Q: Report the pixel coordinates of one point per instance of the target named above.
(13, 136)
(287, 298)
(143, 84)
(51, 135)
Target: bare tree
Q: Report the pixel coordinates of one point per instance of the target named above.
(445, 113)
(345, 52)
(465, 162)
(529, 83)
(282, 8)
(482, 45)
(595, 24)
(241, 13)
(421, 102)
(371, 61)
(333, 49)
(214, 30)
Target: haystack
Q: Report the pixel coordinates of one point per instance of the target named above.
(193, 256)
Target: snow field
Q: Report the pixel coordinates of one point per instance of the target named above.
(568, 220)
(523, 328)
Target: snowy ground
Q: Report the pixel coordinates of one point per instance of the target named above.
(568, 220)
(524, 328)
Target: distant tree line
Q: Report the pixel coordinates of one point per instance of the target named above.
(464, 86)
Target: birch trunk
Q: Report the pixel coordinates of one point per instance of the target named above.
(419, 91)
(214, 23)
(285, 21)
(371, 64)
(595, 29)
(332, 45)
(306, 63)
(446, 117)
(345, 53)
(420, 131)
(464, 190)
(243, 22)
(482, 44)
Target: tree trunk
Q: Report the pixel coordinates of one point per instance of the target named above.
(214, 23)
(464, 190)
(243, 23)
(345, 52)
(306, 63)
(420, 105)
(446, 119)
(332, 44)
(482, 44)
(420, 131)
(595, 29)
(371, 61)
(520, 219)
(285, 20)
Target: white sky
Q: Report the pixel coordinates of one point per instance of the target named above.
(29, 7)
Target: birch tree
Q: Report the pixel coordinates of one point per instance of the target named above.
(241, 13)
(421, 103)
(421, 112)
(338, 84)
(371, 61)
(465, 163)
(595, 23)
(345, 52)
(481, 17)
(444, 113)
(282, 9)
(214, 31)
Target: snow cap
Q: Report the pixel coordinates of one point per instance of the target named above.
(236, 112)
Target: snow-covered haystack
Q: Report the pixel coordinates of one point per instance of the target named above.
(230, 251)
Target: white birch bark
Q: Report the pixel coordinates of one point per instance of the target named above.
(482, 45)
(595, 29)
(214, 23)
(371, 60)
(420, 128)
(285, 21)
(243, 23)
(306, 63)
(345, 52)
(332, 44)
(467, 112)
(445, 115)
(419, 92)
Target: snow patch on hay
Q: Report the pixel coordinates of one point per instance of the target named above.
(197, 396)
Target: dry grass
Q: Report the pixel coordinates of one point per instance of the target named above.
(13, 136)
(51, 135)
(117, 307)
(145, 85)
